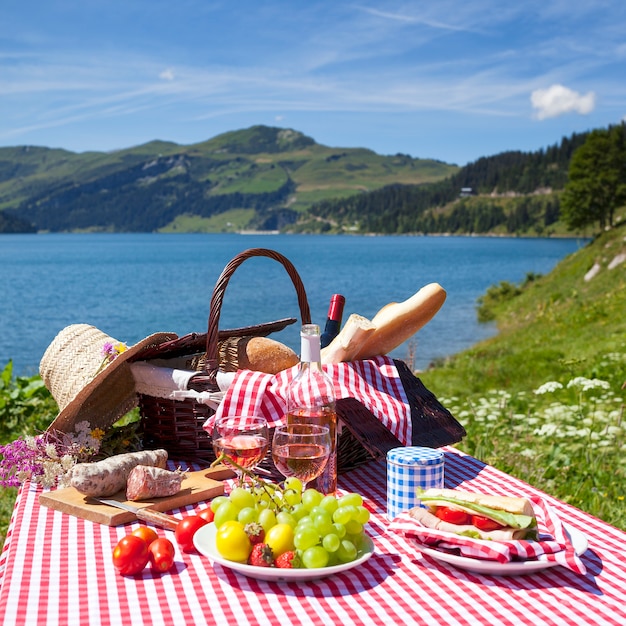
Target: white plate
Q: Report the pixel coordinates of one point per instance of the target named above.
(579, 541)
(204, 541)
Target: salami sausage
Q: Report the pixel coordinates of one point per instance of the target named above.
(146, 482)
(107, 477)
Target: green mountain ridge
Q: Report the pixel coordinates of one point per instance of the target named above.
(261, 177)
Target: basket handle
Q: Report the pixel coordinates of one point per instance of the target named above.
(218, 297)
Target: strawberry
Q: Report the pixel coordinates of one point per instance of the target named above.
(287, 560)
(255, 532)
(261, 556)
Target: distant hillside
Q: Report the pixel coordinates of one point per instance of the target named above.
(512, 192)
(258, 178)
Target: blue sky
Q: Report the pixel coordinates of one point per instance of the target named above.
(446, 79)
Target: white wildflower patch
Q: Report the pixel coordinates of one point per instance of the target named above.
(546, 430)
(549, 387)
(587, 384)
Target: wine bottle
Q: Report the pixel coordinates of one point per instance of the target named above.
(311, 400)
(333, 321)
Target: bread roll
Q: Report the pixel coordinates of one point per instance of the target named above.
(259, 354)
(398, 321)
(348, 342)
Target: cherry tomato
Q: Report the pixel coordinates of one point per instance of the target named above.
(484, 523)
(208, 514)
(452, 516)
(232, 542)
(162, 553)
(186, 529)
(130, 555)
(146, 533)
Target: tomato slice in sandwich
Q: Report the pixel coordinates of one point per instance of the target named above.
(452, 516)
(484, 523)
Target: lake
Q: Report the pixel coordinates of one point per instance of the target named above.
(131, 285)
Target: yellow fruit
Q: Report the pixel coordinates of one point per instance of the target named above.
(280, 539)
(232, 542)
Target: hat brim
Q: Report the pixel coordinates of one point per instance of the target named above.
(110, 394)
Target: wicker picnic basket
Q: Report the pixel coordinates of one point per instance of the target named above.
(177, 424)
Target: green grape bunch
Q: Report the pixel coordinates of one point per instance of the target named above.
(322, 530)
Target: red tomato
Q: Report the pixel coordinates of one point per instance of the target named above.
(146, 533)
(161, 554)
(206, 514)
(130, 555)
(186, 529)
(484, 523)
(452, 516)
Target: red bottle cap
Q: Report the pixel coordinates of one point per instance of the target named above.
(335, 310)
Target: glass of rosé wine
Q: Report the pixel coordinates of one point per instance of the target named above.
(242, 438)
(301, 450)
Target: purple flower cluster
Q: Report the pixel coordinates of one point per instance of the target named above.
(22, 458)
(108, 350)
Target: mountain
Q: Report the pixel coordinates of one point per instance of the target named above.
(512, 192)
(260, 178)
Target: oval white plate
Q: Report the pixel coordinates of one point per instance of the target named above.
(204, 541)
(579, 541)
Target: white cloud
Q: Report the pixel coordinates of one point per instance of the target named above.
(557, 100)
(167, 74)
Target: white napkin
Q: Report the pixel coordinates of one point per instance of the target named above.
(164, 382)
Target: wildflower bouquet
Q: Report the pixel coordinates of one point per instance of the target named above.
(48, 458)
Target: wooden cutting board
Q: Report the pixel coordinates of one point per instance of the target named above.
(196, 487)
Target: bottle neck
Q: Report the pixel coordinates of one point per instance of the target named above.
(310, 351)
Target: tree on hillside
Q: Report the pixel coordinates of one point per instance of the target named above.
(597, 179)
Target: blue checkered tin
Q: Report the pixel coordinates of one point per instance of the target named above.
(409, 469)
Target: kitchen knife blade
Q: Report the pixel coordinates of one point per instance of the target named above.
(163, 520)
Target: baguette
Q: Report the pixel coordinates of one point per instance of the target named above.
(348, 342)
(398, 321)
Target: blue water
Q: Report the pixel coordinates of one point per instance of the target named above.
(131, 285)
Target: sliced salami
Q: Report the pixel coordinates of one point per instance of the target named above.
(146, 482)
(107, 477)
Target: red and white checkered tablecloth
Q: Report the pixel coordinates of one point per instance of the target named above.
(57, 569)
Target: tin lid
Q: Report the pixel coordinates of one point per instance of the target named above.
(414, 455)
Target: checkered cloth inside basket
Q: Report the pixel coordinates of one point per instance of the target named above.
(553, 545)
(375, 383)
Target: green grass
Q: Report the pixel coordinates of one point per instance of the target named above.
(231, 221)
(558, 328)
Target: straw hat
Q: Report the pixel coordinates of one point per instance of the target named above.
(85, 384)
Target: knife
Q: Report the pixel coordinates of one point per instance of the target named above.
(163, 520)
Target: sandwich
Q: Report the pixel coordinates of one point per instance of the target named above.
(499, 518)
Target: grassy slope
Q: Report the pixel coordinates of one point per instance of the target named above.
(559, 328)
